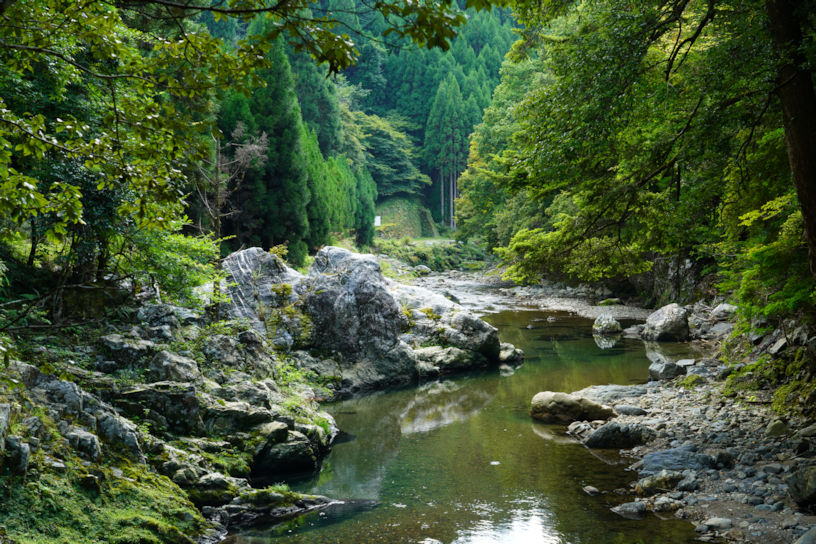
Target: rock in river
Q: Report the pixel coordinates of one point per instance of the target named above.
(630, 510)
(557, 407)
(668, 323)
(606, 324)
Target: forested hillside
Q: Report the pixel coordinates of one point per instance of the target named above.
(620, 136)
(435, 98)
(394, 124)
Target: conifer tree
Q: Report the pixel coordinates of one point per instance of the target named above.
(318, 102)
(318, 207)
(273, 200)
(446, 142)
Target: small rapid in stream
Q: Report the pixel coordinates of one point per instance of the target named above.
(460, 461)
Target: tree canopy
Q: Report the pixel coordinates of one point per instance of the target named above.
(651, 129)
(108, 110)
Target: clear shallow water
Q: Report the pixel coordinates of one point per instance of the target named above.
(461, 462)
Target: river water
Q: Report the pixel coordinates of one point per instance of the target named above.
(461, 462)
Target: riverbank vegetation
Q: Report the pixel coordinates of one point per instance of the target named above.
(621, 136)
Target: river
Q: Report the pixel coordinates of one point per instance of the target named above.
(461, 462)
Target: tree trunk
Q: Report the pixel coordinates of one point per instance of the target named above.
(454, 196)
(35, 240)
(798, 99)
(441, 196)
(218, 192)
(450, 197)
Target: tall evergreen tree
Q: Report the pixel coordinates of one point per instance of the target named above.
(273, 199)
(318, 102)
(446, 143)
(364, 214)
(317, 210)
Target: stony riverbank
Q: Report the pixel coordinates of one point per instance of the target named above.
(172, 424)
(723, 461)
(487, 293)
(730, 467)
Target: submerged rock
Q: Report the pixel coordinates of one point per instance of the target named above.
(267, 506)
(557, 407)
(630, 510)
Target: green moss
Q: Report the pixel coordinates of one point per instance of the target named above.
(409, 316)
(323, 423)
(430, 314)
(789, 376)
(232, 462)
(793, 398)
(274, 495)
(290, 315)
(282, 291)
(692, 381)
(51, 508)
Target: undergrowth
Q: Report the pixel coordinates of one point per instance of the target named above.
(436, 255)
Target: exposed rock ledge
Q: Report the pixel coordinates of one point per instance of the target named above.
(345, 321)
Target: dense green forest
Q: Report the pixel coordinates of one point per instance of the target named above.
(125, 147)
(625, 133)
(593, 139)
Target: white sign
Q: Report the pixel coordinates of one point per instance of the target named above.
(377, 220)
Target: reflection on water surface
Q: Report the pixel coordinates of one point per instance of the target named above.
(460, 461)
